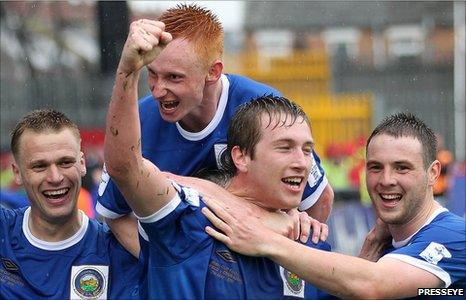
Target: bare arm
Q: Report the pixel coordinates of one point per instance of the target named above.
(341, 275)
(323, 207)
(145, 188)
(292, 224)
(125, 230)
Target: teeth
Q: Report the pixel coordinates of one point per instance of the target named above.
(293, 180)
(390, 196)
(169, 104)
(56, 193)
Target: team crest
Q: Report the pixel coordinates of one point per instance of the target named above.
(435, 252)
(89, 282)
(220, 152)
(292, 284)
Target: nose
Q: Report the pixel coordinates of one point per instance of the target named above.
(387, 178)
(54, 175)
(301, 160)
(158, 88)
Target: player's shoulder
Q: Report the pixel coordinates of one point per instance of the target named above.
(447, 221)
(247, 86)
(9, 217)
(446, 227)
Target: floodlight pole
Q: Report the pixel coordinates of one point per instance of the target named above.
(459, 80)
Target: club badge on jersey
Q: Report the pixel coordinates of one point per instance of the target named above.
(219, 152)
(435, 252)
(89, 282)
(292, 284)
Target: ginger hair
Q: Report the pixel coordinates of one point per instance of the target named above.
(199, 26)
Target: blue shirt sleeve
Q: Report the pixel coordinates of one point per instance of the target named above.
(316, 184)
(110, 202)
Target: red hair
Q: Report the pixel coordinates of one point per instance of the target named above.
(197, 25)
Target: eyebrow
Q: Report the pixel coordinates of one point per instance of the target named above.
(287, 140)
(398, 162)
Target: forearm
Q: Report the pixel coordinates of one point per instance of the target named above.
(125, 230)
(341, 275)
(122, 139)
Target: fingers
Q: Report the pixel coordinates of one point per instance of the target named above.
(305, 227)
(216, 221)
(217, 235)
(319, 231)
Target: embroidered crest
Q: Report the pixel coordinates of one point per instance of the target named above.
(219, 152)
(89, 282)
(292, 284)
(435, 252)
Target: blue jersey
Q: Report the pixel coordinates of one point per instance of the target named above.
(89, 265)
(184, 262)
(161, 141)
(439, 247)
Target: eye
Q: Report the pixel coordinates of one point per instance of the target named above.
(374, 168)
(39, 167)
(151, 73)
(402, 168)
(307, 151)
(174, 77)
(66, 164)
(283, 148)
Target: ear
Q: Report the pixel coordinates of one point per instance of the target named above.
(16, 174)
(433, 172)
(240, 159)
(215, 71)
(82, 164)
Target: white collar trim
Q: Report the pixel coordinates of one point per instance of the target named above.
(222, 103)
(405, 241)
(54, 246)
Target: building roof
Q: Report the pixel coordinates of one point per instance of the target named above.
(309, 16)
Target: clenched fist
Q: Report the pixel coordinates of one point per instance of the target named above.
(146, 39)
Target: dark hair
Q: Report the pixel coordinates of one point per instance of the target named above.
(39, 121)
(408, 125)
(245, 127)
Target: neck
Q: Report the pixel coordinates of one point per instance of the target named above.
(403, 231)
(54, 231)
(240, 188)
(201, 116)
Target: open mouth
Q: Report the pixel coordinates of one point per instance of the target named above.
(169, 105)
(293, 182)
(56, 194)
(390, 199)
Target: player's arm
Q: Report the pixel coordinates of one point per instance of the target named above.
(323, 207)
(145, 188)
(341, 275)
(125, 230)
(292, 224)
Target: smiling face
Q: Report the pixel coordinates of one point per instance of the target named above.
(50, 165)
(396, 177)
(279, 169)
(177, 79)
